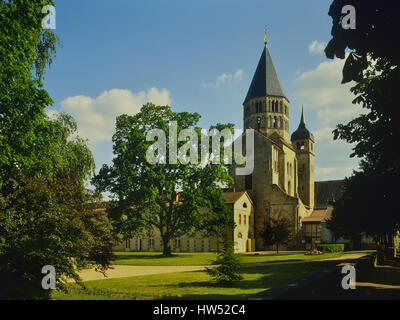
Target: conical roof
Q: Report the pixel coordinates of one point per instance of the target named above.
(265, 80)
(302, 132)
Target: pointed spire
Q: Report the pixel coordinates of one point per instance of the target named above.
(302, 131)
(302, 122)
(265, 80)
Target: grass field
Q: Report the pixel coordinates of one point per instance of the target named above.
(201, 259)
(190, 285)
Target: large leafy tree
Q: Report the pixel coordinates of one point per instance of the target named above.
(369, 202)
(44, 216)
(163, 196)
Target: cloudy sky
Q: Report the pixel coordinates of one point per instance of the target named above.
(197, 56)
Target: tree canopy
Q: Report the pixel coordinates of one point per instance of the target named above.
(277, 230)
(369, 202)
(44, 214)
(164, 195)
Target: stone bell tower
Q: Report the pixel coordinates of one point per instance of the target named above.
(266, 107)
(303, 143)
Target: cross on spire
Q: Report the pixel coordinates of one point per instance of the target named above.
(266, 35)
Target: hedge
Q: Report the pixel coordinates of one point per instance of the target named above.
(331, 247)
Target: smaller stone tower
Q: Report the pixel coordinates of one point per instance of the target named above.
(303, 143)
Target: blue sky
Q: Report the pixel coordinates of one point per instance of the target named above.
(198, 56)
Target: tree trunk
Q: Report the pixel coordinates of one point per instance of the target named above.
(277, 248)
(166, 247)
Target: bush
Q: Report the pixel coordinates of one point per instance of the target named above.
(331, 247)
(229, 266)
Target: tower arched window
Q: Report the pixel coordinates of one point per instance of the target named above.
(270, 122)
(275, 124)
(280, 106)
(286, 110)
(280, 122)
(258, 123)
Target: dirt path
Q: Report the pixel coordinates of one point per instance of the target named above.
(120, 271)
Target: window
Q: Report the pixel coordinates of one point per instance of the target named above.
(258, 123)
(288, 188)
(240, 219)
(244, 219)
(275, 159)
(280, 107)
(285, 109)
(280, 122)
(275, 124)
(248, 182)
(244, 205)
(290, 171)
(177, 243)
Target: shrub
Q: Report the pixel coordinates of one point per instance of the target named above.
(331, 247)
(229, 266)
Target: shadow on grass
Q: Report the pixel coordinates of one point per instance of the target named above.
(271, 261)
(149, 257)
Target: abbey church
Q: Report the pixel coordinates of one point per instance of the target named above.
(281, 185)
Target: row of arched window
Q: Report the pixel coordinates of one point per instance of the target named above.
(273, 122)
(273, 106)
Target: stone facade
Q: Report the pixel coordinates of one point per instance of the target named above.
(243, 235)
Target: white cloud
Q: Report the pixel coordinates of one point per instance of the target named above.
(332, 173)
(96, 116)
(316, 47)
(321, 90)
(323, 95)
(238, 74)
(223, 79)
(332, 159)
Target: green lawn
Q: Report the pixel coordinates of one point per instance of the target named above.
(201, 259)
(191, 285)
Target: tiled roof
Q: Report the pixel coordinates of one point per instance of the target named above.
(232, 197)
(319, 215)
